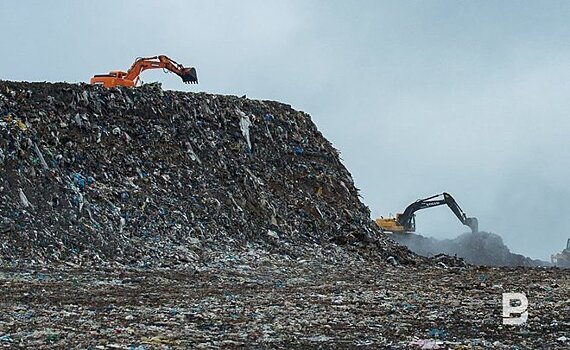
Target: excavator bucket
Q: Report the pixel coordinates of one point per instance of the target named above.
(473, 223)
(189, 75)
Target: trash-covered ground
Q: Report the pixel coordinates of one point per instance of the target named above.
(481, 248)
(261, 301)
(146, 177)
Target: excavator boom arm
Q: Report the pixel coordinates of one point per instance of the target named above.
(188, 75)
(406, 218)
(472, 222)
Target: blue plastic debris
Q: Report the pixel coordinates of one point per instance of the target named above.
(437, 333)
(138, 347)
(79, 180)
(6, 338)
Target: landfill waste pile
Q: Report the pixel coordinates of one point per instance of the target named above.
(279, 304)
(481, 248)
(146, 177)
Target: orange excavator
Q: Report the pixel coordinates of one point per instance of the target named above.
(131, 77)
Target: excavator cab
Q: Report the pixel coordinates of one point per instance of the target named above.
(393, 224)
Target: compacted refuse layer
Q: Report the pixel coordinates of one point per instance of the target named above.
(146, 177)
(268, 302)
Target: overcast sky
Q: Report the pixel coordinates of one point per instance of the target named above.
(421, 97)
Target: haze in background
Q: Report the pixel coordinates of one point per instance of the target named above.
(420, 96)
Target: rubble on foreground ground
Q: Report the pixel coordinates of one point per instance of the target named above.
(481, 248)
(145, 177)
(265, 301)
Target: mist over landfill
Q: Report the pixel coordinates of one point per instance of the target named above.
(481, 248)
(298, 197)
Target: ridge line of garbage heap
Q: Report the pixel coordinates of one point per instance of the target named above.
(146, 177)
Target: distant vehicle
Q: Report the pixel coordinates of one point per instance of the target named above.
(406, 223)
(562, 259)
(131, 77)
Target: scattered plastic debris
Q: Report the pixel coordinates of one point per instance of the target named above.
(259, 299)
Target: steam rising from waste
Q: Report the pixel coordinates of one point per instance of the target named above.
(481, 248)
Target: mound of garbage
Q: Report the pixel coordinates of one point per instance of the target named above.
(481, 248)
(149, 177)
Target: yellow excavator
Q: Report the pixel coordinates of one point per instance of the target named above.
(562, 259)
(406, 222)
